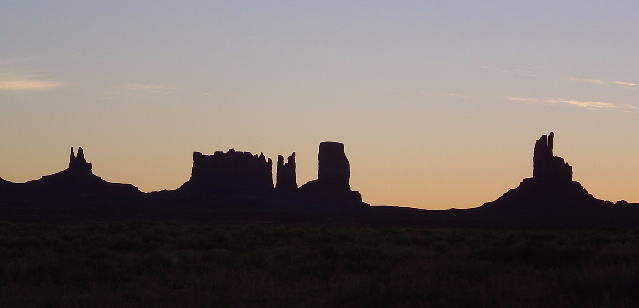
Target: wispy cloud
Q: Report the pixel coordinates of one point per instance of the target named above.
(624, 84)
(25, 82)
(532, 71)
(25, 85)
(586, 80)
(5, 61)
(143, 89)
(519, 99)
(146, 86)
(590, 105)
(8, 61)
(582, 104)
(629, 107)
(458, 95)
(149, 88)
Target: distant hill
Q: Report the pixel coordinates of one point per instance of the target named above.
(77, 182)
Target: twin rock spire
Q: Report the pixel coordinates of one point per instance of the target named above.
(546, 166)
(79, 163)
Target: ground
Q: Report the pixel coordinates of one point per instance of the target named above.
(311, 265)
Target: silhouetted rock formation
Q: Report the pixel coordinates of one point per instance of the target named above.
(332, 186)
(550, 190)
(75, 182)
(546, 167)
(229, 173)
(79, 163)
(286, 177)
(237, 185)
(333, 164)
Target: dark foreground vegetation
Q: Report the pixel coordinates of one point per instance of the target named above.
(162, 264)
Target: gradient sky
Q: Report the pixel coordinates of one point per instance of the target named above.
(438, 102)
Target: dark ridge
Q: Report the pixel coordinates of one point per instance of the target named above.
(4, 186)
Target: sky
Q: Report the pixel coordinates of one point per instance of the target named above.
(438, 103)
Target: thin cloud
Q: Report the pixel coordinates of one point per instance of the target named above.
(458, 95)
(6, 61)
(532, 71)
(136, 90)
(590, 105)
(10, 61)
(149, 88)
(25, 85)
(520, 99)
(586, 80)
(629, 107)
(146, 86)
(582, 104)
(625, 84)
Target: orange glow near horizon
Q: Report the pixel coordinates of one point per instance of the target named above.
(438, 103)
(448, 179)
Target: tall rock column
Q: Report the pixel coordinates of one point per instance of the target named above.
(332, 188)
(79, 163)
(546, 166)
(333, 164)
(286, 176)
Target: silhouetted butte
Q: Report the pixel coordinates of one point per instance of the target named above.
(332, 186)
(75, 182)
(232, 172)
(551, 190)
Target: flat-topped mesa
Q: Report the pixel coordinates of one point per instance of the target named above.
(332, 186)
(79, 163)
(546, 167)
(286, 176)
(230, 172)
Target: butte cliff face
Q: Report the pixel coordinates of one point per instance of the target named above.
(286, 176)
(551, 188)
(332, 186)
(232, 172)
